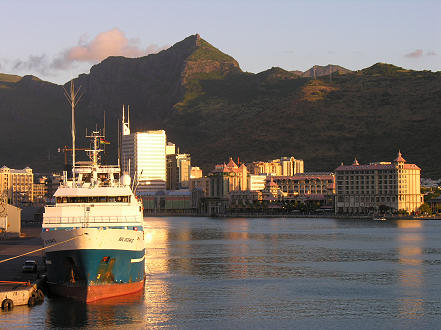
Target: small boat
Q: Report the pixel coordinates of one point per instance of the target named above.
(379, 218)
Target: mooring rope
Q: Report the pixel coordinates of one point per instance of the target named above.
(41, 249)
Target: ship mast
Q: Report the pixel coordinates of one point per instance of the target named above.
(73, 97)
(96, 138)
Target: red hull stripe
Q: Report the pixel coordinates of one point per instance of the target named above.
(96, 292)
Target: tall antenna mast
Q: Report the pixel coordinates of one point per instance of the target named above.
(73, 97)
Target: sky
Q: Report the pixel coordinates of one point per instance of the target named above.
(58, 40)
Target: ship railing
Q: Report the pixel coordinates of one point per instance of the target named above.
(90, 219)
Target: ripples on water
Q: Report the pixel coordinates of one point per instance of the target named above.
(270, 273)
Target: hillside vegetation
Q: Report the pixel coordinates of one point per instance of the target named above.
(213, 110)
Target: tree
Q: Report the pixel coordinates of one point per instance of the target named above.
(425, 209)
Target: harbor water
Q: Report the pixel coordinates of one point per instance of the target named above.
(221, 273)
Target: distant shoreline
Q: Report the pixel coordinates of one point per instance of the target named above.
(312, 216)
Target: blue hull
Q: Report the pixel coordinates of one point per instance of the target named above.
(78, 270)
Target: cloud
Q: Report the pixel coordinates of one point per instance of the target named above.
(415, 54)
(109, 43)
(35, 63)
(105, 44)
(431, 53)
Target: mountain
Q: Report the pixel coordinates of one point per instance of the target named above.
(212, 109)
(325, 70)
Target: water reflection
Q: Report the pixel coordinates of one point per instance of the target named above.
(117, 311)
(411, 276)
(237, 232)
(271, 273)
(157, 265)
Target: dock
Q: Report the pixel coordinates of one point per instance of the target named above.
(16, 287)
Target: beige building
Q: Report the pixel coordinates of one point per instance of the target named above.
(39, 193)
(285, 166)
(195, 172)
(228, 177)
(378, 187)
(307, 186)
(256, 182)
(17, 185)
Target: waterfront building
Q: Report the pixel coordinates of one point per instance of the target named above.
(256, 182)
(143, 155)
(172, 172)
(178, 171)
(305, 185)
(39, 192)
(314, 186)
(244, 198)
(17, 185)
(167, 201)
(272, 191)
(228, 177)
(183, 162)
(202, 184)
(285, 166)
(195, 172)
(435, 204)
(378, 187)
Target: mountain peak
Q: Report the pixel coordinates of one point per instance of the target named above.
(383, 69)
(325, 70)
(277, 73)
(206, 59)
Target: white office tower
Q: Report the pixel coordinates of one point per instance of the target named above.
(143, 156)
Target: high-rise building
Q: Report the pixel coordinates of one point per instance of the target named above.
(178, 168)
(143, 155)
(378, 187)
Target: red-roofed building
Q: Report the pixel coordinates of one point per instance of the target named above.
(378, 187)
(228, 177)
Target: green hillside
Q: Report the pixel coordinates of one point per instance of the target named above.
(213, 110)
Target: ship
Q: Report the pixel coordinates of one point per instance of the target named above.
(93, 233)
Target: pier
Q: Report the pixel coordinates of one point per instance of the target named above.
(16, 286)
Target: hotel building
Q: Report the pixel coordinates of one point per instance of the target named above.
(306, 185)
(378, 187)
(17, 185)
